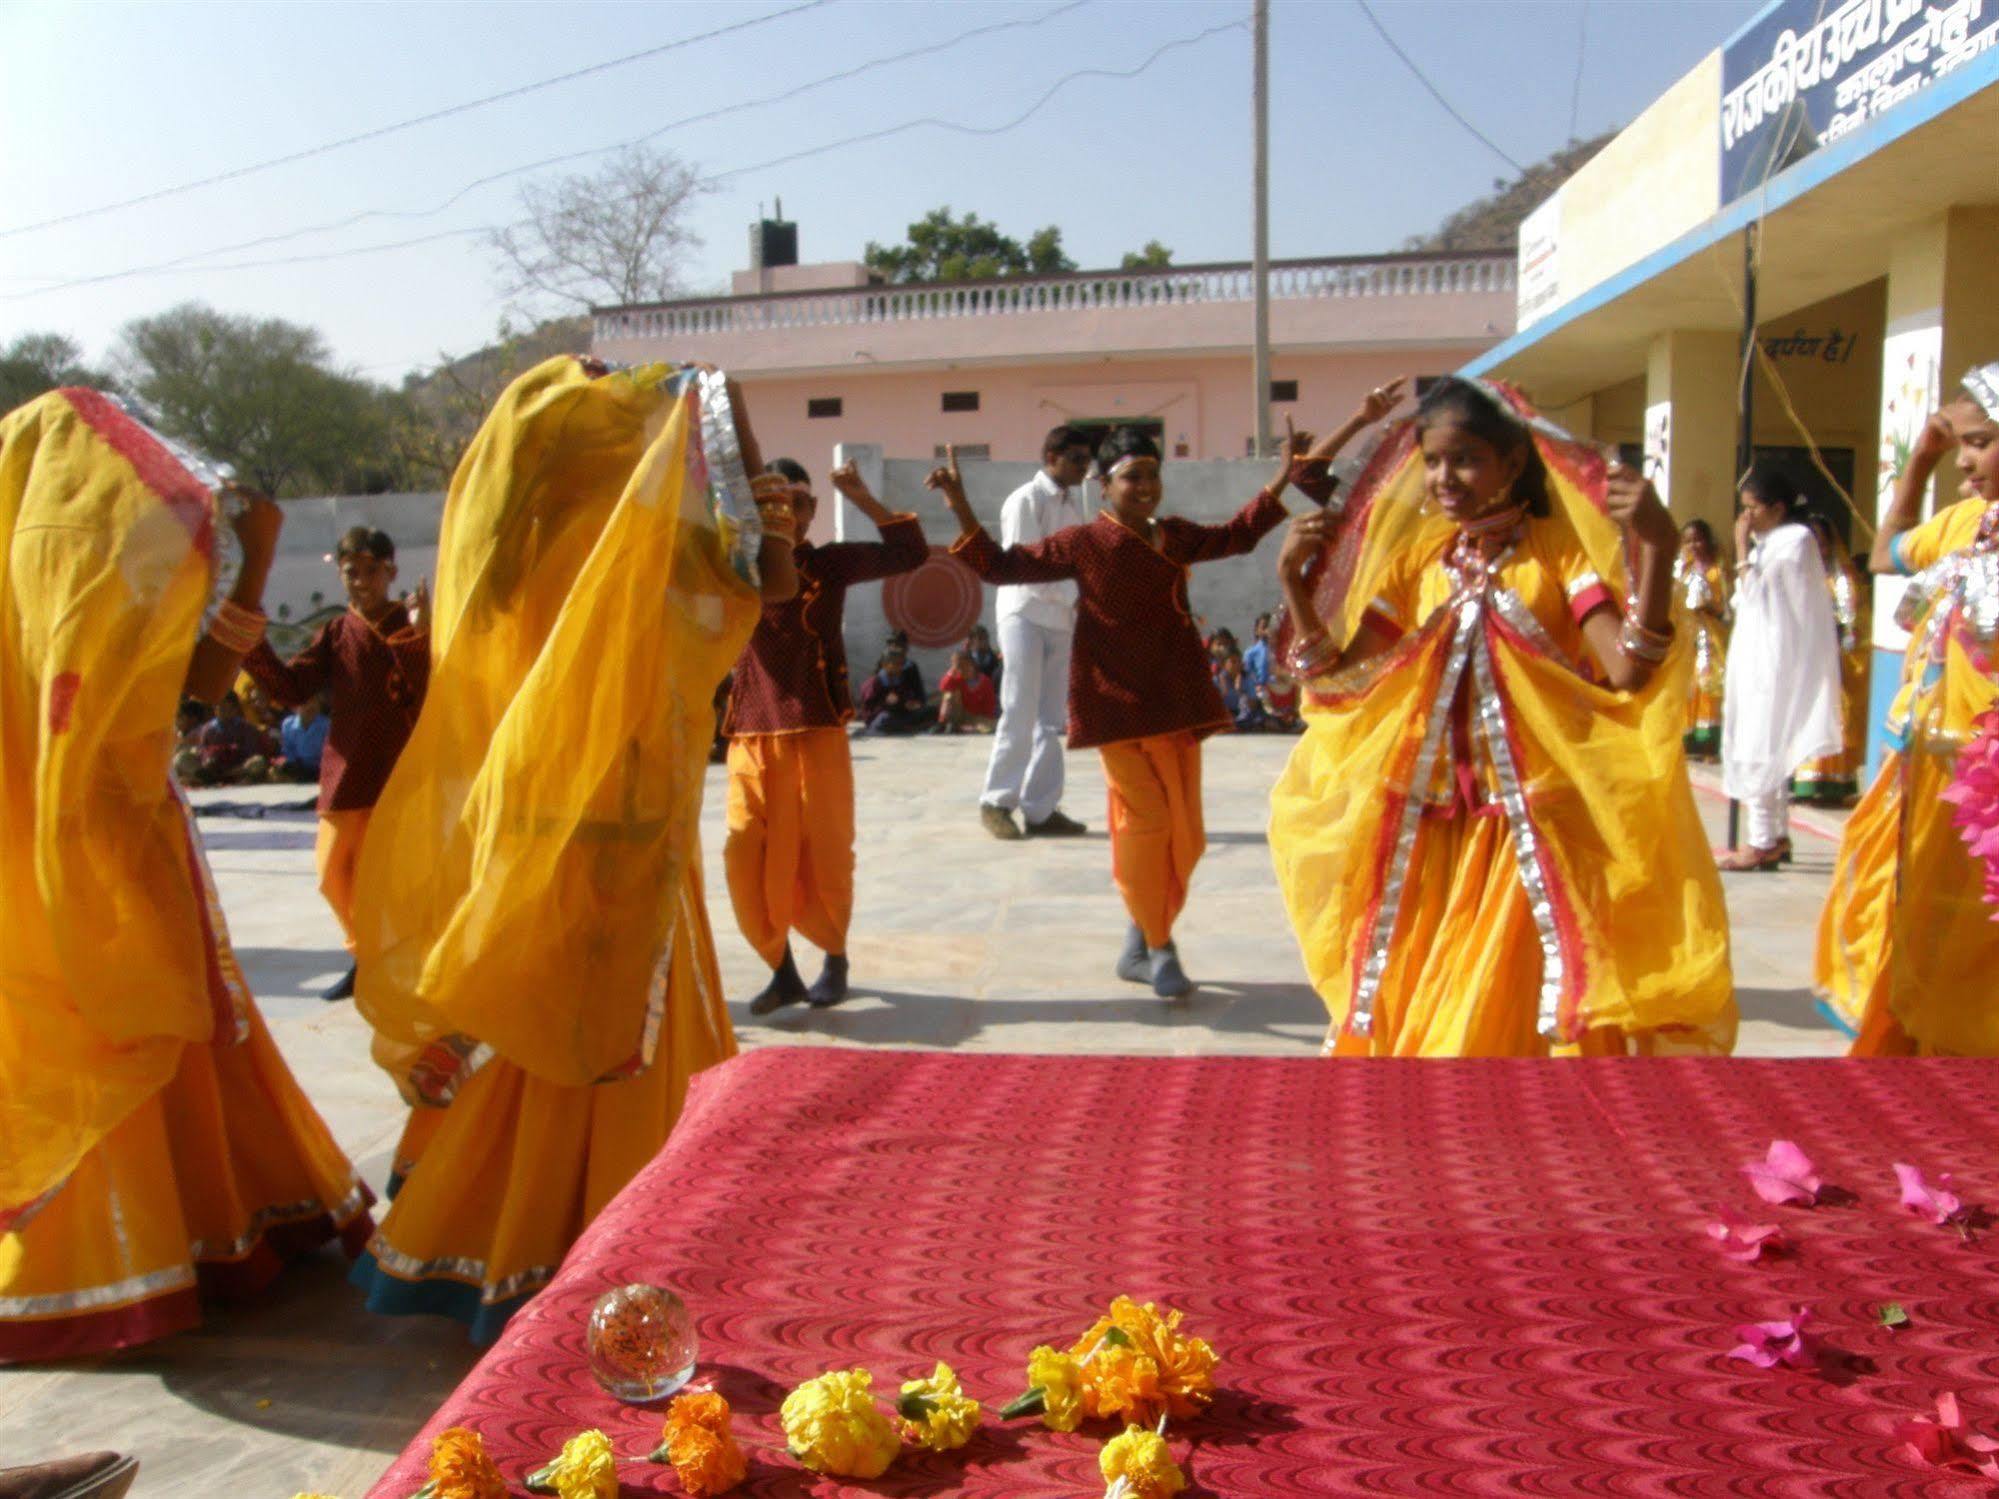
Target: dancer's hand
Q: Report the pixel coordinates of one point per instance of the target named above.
(417, 605)
(1934, 442)
(256, 521)
(1378, 402)
(1635, 505)
(848, 481)
(1305, 542)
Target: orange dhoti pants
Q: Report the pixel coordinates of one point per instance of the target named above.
(337, 853)
(1157, 835)
(790, 852)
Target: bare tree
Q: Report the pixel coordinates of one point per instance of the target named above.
(613, 236)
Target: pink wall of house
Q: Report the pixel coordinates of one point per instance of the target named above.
(1204, 402)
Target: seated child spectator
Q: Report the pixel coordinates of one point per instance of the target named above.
(968, 698)
(1256, 660)
(1221, 645)
(892, 699)
(263, 715)
(979, 645)
(302, 740)
(230, 749)
(1280, 704)
(1239, 694)
(193, 713)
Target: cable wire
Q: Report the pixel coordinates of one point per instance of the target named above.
(170, 267)
(1422, 78)
(410, 124)
(1576, 89)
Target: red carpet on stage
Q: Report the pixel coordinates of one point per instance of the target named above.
(1461, 1278)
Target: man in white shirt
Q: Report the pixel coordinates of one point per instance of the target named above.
(1037, 625)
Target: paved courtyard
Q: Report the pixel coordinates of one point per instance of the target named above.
(960, 942)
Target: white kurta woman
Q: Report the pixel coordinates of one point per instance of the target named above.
(1781, 705)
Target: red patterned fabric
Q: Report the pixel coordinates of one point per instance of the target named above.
(1468, 1278)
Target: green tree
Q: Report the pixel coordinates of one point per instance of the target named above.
(1154, 257)
(943, 247)
(39, 362)
(261, 394)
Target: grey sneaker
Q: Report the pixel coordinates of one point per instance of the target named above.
(1134, 964)
(999, 822)
(1169, 980)
(1056, 824)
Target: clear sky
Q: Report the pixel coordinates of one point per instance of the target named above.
(105, 100)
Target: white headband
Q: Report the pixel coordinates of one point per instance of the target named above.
(1113, 471)
(1982, 385)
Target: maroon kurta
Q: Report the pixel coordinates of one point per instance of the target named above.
(1139, 666)
(377, 674)
(793, 673)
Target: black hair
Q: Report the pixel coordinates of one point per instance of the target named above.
(365, 541)
(1466, 405)
(1124, 442)
(1060, 439)
(898, 640)
(230, 698)
(792, 469)
(1773, 486)
(191, 707)
(1701, 529)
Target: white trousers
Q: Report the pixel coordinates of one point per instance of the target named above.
(1767, 819)
(1025, 770)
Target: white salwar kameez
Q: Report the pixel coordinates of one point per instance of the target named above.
(1782, 704)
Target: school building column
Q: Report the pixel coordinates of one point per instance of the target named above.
(1690, 424)
(1941, 319)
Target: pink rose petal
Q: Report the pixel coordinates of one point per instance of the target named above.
(1740, 1239)
(1768, 1344)
(1941, 1441)
(1784, 1175)
(1936, 1203)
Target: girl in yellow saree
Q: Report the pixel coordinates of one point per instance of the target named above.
(532, 942)
(1703, 590)
(152, 1141)
(1906, 944)
(1486, 838)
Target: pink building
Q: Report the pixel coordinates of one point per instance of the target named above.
(829, 357)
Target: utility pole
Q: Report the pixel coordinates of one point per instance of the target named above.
(1259, 93)
(1745, 428)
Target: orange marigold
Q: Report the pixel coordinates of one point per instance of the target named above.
(1137, 1363)
(704, 1455)
(460, 1468)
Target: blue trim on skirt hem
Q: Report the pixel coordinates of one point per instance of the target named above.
(392, 1296)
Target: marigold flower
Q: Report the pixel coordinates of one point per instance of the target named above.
(460, 1468)
(586, 1469)
(833, 1425)
(1137, 1363)
(1060, 1382)
(1140, 1458)
(698, 1443)
(936, 1413)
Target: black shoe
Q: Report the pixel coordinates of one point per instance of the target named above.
(342, 988)
(1169, 980)
(95, 1475)
(1056, 825)
(1134, 964)
(830, 988)
(786, 987)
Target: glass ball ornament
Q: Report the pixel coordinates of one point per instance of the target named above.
(642, 1343)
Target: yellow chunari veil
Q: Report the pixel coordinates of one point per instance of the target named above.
(104, 969)
(1609, 843)
(519, 881)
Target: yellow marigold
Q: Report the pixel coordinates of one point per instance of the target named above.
(460, 1468)
(1060, 1382)
(833, 1425)
(1140, 1458)
(1164, 1370)
(704, 1455)
(936, 1412)
(587, 1469)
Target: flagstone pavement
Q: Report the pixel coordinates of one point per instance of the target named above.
(959, 942)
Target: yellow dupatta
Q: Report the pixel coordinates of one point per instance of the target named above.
(104, 966)
(1608, 844)
(520, 878)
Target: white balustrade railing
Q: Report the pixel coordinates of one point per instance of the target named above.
(1014, 296)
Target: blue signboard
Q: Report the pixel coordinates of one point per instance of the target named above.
(1806, 72)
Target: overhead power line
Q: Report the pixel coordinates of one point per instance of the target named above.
(1422, 78)
(1576, 89)
(927, 121)
(546, 162)
(413, 122)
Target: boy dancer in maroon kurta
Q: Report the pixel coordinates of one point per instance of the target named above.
(375, 660)
(790, 851)
(1140, 692)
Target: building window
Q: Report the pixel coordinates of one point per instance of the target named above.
(966, 451)
(961, 400)
(1283, 390)
(822, 406)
